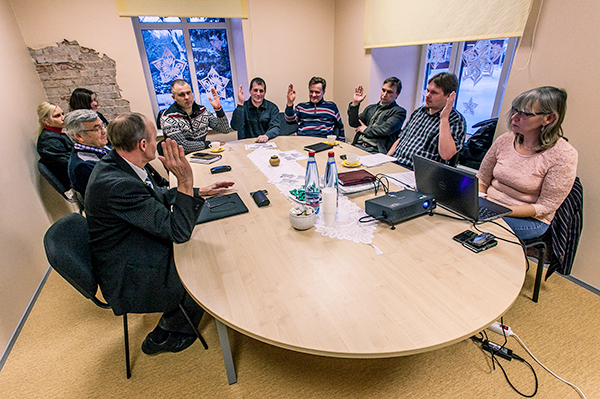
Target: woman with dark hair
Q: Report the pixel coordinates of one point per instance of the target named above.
(85, 99)
(532, 168)
(53, 145)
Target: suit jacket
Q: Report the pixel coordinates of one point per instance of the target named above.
(132, 231)
(382, 135)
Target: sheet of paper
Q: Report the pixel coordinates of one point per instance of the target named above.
(375, 159)
(256, 146)
(402, 180)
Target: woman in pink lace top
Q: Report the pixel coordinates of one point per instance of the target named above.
(531, 169)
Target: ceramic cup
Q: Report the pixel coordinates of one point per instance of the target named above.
(331, 138)
(215, 145)
(351, 159)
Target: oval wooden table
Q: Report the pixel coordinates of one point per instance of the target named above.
(308, 293)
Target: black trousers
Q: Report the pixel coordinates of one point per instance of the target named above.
(175, 321)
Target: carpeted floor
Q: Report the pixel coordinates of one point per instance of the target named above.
(69, 348)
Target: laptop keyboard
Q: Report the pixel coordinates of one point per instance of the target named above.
(486, 213)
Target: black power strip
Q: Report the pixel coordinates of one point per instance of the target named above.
(497, 350)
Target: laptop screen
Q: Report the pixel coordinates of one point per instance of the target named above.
(455, 189)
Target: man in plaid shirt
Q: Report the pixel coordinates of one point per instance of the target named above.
(436, 130)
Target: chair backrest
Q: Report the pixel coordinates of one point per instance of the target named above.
(285, 128)
(52, 179)
(68, 250)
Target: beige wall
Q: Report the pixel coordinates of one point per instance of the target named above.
(21, 211)
(565, 55)
(290, 42)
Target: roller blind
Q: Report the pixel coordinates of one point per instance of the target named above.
(391, 23)
(183, 8)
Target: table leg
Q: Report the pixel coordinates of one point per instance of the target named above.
(226, 349)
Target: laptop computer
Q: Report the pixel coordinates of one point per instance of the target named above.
(456, 190)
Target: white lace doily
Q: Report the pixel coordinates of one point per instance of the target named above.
(289, 175)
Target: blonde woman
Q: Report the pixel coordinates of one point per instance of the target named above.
(531, 169)
(53, 145)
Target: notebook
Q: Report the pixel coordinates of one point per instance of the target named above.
(221, 207)
(204, 157)
(318, 147)
(359, 176)
(456, 190)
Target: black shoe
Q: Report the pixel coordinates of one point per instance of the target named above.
(175, 342)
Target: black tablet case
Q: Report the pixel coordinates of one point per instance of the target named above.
(221, 207)
(318, 147)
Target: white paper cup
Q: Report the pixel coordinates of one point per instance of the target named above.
(329, 218)
(329, 196)
(215, 145)
(351, 159)
(331, 138)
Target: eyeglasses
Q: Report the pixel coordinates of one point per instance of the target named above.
(97, 129)
(523, 114)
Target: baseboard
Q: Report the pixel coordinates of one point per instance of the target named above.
(583, 284)
(17, 331)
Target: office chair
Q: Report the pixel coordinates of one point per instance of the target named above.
(285, 128)
(67, 248)
(58, 186)
(562, 238)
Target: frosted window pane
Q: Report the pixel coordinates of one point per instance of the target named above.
(155, 20)
(480, 71)
(205, 20)
(438, 61)
(167, 58)
(213, 67)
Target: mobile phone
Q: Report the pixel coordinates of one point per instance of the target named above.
(489, 244)
(480, 240)
(464, 236)
(220, 169)
(343, 156)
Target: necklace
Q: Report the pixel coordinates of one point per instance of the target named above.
(528, 148)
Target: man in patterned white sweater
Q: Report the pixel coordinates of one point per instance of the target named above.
(187, 122)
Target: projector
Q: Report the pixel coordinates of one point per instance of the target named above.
(399, 206)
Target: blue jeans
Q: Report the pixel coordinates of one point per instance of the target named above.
(526, 228)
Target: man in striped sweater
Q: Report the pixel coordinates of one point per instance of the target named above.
(316, 117)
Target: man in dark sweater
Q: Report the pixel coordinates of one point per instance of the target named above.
(379, 124)
(255, 117)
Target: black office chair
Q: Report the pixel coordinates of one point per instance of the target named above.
(67, 248)
(58, 186)
(561, 239)
(285, 128)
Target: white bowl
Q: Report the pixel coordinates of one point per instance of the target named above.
(303, 221)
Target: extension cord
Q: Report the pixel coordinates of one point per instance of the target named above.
(501, 329)
(497, 350)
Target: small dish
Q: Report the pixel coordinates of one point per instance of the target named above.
(354, 165)
(302, 218)
(334, 143)
(217, 149)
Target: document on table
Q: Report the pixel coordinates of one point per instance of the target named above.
(402, 179)
(375, 159)
(256, 146)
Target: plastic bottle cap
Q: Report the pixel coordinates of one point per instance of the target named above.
(330, 153)
(311, 153)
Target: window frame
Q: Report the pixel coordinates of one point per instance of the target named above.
(185, 26)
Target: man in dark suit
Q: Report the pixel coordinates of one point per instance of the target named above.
(133, 224)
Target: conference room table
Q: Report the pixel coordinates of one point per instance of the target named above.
(417, 291)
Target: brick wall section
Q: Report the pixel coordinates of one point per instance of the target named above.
(68, 66)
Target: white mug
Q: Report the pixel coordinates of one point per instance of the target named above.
(215, 145)
(351, 159)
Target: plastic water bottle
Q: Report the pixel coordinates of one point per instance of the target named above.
(311, 183)
(331, 175)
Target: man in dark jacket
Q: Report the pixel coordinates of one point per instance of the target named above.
(133, 224)
(255, 117)
(378, 125)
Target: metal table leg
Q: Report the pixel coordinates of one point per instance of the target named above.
(225, 348)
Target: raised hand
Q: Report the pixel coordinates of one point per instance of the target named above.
(214, 100)
(175, 161)
(449, 104)
(241, 97)
(359, 96)
(291, 95)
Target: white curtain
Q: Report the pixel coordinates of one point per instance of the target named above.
(392, 23)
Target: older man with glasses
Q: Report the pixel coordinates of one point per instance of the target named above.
(88, 133)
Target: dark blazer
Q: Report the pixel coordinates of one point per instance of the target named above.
(383, 134)
(55, 151)
(132, 231)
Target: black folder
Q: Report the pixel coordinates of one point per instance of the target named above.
(221, 207)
